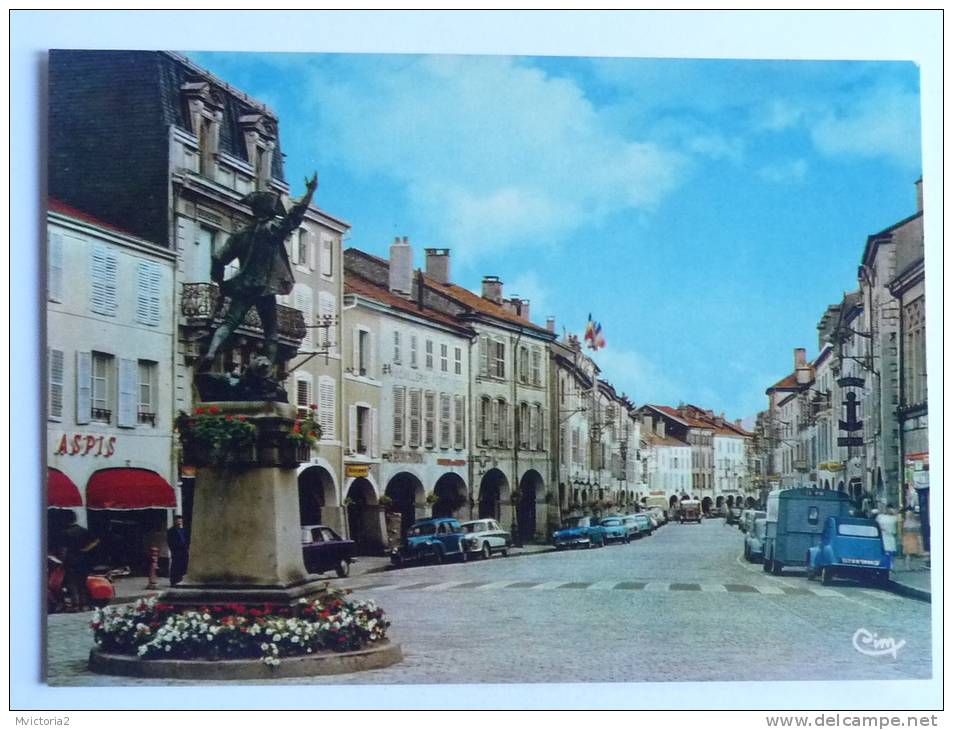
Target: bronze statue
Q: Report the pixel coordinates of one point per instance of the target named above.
(264, 268)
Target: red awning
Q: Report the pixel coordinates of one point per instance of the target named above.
(124, 488)
(60, 490)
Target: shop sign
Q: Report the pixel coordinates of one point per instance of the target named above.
(357, 470)
(404, 457)
(451, 462)
(79, 444)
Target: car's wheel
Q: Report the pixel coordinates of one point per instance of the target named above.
(505, 552)
(464, 554)
(343, 568)
(882, 578)
(766, 566)
(590, 545)
(776, 567)
(827, 577)
(747, 553)
(397, 560)
(626, 539)
(487, 553)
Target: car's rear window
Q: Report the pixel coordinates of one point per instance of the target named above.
(427, 529)
(612, 523)
(857, 530)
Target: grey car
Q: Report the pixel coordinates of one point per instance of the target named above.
(754, 541)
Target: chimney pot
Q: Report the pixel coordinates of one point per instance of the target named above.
(401, 266)
(493, 289)
(551, 324)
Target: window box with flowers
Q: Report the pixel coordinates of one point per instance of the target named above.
(305, 433)
(209, 438)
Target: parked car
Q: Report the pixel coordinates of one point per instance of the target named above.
(734, 516)
(435, 539)
(645, 524)
(850, 547)
(616, 531)
(658, 515)
(578, 531)
(690, 510)
(632, 526)
(794, 523)
(486, 537)
(748, 517)
(324, 550)
(754, 541)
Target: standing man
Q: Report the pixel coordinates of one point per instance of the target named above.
(264, 267)
(178, 540)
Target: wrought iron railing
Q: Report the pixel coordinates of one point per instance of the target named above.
(202, 304)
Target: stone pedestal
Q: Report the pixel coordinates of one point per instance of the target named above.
(246, 539)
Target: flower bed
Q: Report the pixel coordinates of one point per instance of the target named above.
(152, 630)
(207, 437)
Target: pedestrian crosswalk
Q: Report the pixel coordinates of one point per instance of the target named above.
(649, 586)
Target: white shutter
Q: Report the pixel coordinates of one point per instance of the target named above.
(352, 429)
(326, 406)
(148, 275)
(371, 355)
(55, 394)
(430, 409)
(128, 400)
(54, 278)
(445, 420)
(84, 384)
(544, 431)
(484, 355)
(414, 439)
(374, 440)
(309, 238)
(397, 347)
(304, 303)
(326, 306)
(327, 252)
(399, 415)
(459, 421)
(185, 233)
(103, 273)
(413, 351)
(293, 242)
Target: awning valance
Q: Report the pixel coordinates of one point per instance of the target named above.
(60, 490)
(124, 488)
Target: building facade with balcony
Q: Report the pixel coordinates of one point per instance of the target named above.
(110, 344)
(574, 375)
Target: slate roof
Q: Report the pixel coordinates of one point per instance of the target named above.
(58, 206)
(354, 284)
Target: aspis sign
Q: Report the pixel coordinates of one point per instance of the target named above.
(78, 444)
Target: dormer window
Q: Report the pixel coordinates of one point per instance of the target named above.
(260, 140)
(205, 108)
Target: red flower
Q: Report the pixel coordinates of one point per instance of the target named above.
(213, 409)
(228, 418)
(313, 406)
(296, 428)
(243, 418)
(199, 410)
(312, 434)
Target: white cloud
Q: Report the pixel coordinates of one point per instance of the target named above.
(786, 171)
(491, 151)
(778, 115)
(529, 286)
(637, 376)
(883, 123)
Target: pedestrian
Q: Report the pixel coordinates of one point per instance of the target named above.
(888, 530)
(178, 540)
(80, 546)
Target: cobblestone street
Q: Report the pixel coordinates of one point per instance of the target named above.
(680, 605)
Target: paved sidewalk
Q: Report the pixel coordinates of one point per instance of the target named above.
(130, 588)
(911, 577)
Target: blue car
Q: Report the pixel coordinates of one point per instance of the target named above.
(436, 540)
(616, 529)
(578, 532)
(851, 547)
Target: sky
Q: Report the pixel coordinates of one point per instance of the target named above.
(706, 212)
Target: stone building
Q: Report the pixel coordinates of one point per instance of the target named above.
(110, 342)
(668, 458)
(173, 150)
(422, 362)
(574, 375)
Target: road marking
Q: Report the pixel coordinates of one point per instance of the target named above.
(827, 592)
(630, 585)
(444, 586)
(384, 587)
(416, 586)
(770, 590)
(522, 584)
(655, 587)
(714, 588)
(551, 585)
(882, 595)
(492, 586)
(795, 590)
(471, 584)
(603, 585)
(575, 585)
(684, 587)
(740, 588)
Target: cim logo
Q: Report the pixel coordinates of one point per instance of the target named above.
(872, 645)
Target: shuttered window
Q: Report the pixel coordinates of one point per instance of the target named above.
(327, 257)
(413, 351)
(54, 273)
(104, 270)
(396, 347)
(459, 422)
(128, 414)
(84, 381)
(304, 303)
(429, 354)
(484, 355)
(55, 393)
(562, 446)
(430, 405)
(303, 394)
(458, 361)
(327, 306)
(499, 359)
(414, 407)
(147, 397)
(445, 420)
(101, 377)
(486, 417)
(149, 278)
(327, 407)
(536, 366)
(399, 411)
(444, 361)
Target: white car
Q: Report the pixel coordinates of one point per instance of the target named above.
(486, 537)
(754, 541)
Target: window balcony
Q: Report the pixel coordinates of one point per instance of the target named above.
(202, 311)
(149, 418)
(101, 414)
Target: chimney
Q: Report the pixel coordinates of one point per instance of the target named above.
(523, 310)
(493, 289)
(802, 371)
(551, 324)
(438, 264)
(401, 267)
(919, 184)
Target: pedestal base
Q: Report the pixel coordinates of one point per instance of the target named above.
(190, 596)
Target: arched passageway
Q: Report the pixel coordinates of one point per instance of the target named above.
(406, 493)
(315, 494)
(531, 486)
(363, 516)
(452, 500)
(494, 488)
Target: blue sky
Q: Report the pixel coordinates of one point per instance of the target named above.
(706, 212)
